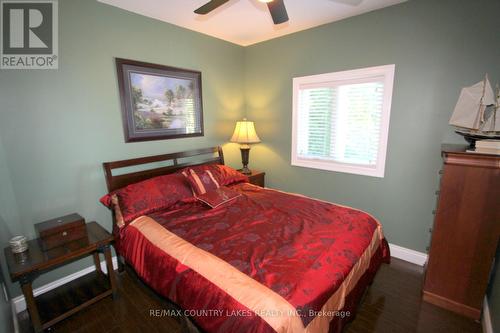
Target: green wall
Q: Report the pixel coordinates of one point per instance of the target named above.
(437, 46)
(5, 309)
(58, 126)
(8, 212)
(9, 218)
(6, 322)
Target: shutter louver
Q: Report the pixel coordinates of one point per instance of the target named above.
(341, 123)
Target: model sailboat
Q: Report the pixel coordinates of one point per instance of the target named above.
(476, 113)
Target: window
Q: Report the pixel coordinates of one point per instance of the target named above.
(341, 120)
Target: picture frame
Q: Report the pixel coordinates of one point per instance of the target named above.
(159, 102)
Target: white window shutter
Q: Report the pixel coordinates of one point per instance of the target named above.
(340, 120)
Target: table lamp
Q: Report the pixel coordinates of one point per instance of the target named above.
(244, 134)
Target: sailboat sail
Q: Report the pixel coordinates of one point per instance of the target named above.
(471, 105)
(492, 120)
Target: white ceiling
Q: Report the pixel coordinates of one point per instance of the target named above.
(247, 22)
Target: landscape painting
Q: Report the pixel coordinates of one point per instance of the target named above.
(159, 102)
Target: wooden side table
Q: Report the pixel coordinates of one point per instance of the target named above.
(257, 178)
(45, 310)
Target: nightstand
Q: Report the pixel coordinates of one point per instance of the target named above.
(257, 178)
(55, 305)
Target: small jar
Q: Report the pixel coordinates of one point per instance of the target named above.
(18, 244)
(21, 258)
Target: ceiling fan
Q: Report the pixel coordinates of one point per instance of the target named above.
(276, 8)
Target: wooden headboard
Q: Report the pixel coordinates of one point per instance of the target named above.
(115, 182)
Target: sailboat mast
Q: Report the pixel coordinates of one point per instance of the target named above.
(497, 106)
(481, 105)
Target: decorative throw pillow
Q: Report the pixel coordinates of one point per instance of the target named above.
(223, 174)
(228, 175)
(147, 197)
(218, 197)
(201, 182)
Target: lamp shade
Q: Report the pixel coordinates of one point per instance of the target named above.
(244, 132)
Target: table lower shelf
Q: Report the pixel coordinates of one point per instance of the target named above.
(62, 302)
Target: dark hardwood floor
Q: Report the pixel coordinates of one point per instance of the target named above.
(392, 304)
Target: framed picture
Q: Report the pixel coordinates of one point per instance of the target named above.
(159, 102)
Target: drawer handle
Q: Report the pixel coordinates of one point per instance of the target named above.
(65, 233)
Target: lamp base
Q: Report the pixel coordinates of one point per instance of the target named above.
(245, 171)
(245, 155)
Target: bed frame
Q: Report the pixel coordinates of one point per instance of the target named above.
(115, 182)
(212, 155)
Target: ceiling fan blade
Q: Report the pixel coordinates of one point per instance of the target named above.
(278, 11)
(209, 6)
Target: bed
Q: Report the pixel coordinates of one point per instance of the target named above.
(264, 261)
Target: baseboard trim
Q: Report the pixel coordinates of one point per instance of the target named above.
(12, 325)
(486, 318)
(451, 305)
(15, 322)
(415, 257)
(19, 303)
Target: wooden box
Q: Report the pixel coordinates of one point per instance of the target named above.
(61, 230)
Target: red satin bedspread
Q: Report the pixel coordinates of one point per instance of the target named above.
(300, 248)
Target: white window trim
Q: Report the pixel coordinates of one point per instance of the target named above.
(378, 170)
